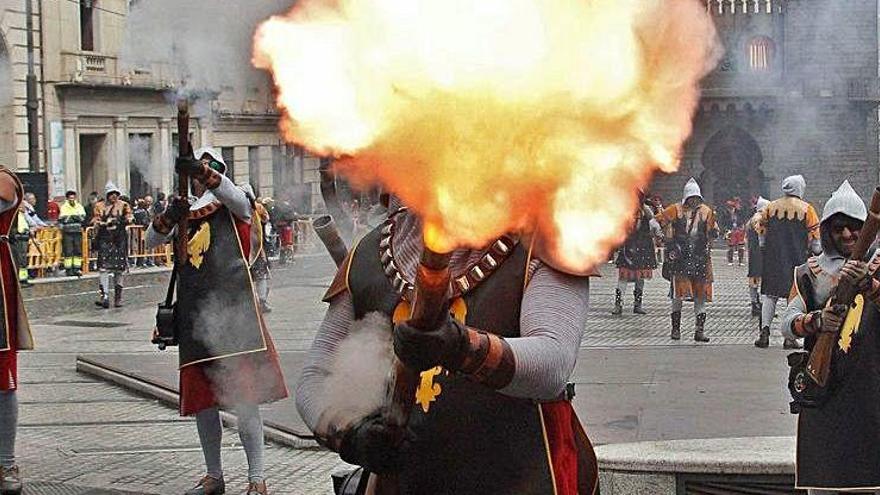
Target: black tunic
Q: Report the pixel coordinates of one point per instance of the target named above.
(638, 252)
(473, 440)
(216, 310)
(838, 444)
(756, 254)
(788, 222)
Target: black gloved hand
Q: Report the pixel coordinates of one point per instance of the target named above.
(424, 349)
(188, 165)
(374, 445)
(177, 208)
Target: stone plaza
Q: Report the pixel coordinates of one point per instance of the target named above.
(80, 434)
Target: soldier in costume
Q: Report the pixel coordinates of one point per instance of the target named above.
(503, 361)
(636, 259)
(111, 217)
(733, 223)
(15, 333)
(72, 217)
(755, 256)
(837, 441)
(227, 357)
(788, 232)
(693, 228)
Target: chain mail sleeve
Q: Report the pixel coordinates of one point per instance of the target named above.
(310, 388)
(552, 322)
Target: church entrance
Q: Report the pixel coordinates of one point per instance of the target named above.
(732, 162)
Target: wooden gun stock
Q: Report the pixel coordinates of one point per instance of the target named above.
(819, 366)
(183, 147)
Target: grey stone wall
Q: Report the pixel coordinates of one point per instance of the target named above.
(813, 113)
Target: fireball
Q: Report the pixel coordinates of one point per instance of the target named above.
(541, 117)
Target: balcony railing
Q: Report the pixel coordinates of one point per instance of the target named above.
(721, 7)
(95, 68)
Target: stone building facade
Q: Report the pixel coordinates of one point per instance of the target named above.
(100, 121)
(796, 92)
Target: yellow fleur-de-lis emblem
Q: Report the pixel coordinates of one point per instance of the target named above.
(198, 245)
(851, 324)
(428, 391)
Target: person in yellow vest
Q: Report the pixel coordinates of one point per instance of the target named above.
(71, 218)
(19, 237)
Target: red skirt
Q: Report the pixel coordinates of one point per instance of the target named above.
(737, 238)
(574, 464)
(8, 370)
(254, 378)
(9, 359)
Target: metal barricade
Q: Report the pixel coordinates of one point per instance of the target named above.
(44, 250)
(138, 254)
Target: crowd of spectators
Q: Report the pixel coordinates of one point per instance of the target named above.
(279, 233)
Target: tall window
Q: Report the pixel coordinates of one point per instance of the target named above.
(760, 54)
(87, 25)
(255, 165)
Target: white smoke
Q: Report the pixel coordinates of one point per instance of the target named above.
(208, 40)
(358, 377)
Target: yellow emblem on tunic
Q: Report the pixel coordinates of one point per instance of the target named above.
(198, 245)
(428, 391)
(851, 324)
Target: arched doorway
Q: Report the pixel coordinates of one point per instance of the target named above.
(7, 109)
(732, 163)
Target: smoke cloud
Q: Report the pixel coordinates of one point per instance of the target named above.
(554, 111)
(209, 40)
(358, 377)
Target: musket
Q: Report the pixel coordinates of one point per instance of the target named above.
(429, 308)
(327, 232)
(184, 148)
(819, 365)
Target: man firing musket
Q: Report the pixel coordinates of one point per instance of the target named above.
(227, 357)
(515, 185)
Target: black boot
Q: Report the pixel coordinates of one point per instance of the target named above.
(756, 309)
(209, 486)
(764, 339)
(101, 297)
(676, 325)
(637, 302)
(117, 296)
(618, 303)
(699, 329)
(10, 481)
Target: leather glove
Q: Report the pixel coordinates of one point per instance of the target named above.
(177, 208)
(374, 445)
(424, 349)
(832, 318)
(855, 272)
(188, 165)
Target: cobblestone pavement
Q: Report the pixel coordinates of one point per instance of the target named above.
(729, 319)
(78, 432)
(80, 436)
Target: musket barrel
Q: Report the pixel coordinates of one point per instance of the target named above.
(325, 228)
